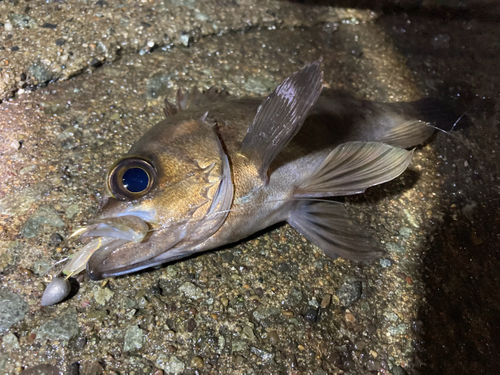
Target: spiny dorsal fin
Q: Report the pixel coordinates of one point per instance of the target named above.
(194, 99)
(280, 116)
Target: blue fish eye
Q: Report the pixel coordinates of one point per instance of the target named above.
(135, 180)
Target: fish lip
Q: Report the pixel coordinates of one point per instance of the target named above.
(106, 234)
(119, 227)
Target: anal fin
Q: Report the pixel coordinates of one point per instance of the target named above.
(328, 225)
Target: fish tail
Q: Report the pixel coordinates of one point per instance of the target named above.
(435, 112)
(418, 121)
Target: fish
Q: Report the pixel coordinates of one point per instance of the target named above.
(219, 169)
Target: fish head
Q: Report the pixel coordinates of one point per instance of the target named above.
(171, 192)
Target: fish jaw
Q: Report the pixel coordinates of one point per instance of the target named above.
(105, 235)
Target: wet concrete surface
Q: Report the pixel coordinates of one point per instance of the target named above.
(274, 303)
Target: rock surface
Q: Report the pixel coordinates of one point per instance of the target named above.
(258, 304)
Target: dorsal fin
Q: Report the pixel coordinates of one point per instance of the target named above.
(280, 116)
(194, 99)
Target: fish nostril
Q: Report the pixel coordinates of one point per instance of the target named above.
(107, 203)
(103, 202)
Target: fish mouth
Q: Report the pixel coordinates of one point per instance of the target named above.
(105, 235)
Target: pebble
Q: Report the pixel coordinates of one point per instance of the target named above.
(15, 144)
(259, 86)
(170, 363)
(325, 301)
(10, 342)
(22, 21)
(247, 333)
(49, 26)
(134, 339)
(265, 312)
(20, 203)
(190, 325)
(312, 315)
(320, 371)
(40, 267)
(39, 73)
(72, 211)
(45, 215)
(191, 290)
(350, 318)
(64, 327)
(55, 239)
(262, 354)
(238, 346)
(273, 338)
(385, 262)
(57, 290)
(41, 370)
(103, 295)
(158, 85)
(12, 309)
(294, 297)
(197, 362)
(393, 247)
(397, 330)
(349, 293)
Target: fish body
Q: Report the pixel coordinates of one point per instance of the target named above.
(217, 170)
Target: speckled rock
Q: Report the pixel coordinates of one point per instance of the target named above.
(265, 312)
(349, 293)
(191, 290)
(19, 203)
(103, 295)
(134, 339)
(63, 327)
(56, 47)
(44, 215)
(10, 342)
(170, 364)
(67, 133)
(12, 309)
(42, 370)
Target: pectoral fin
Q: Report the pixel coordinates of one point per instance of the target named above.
(280, 116)
(327, 225)
(353, 167)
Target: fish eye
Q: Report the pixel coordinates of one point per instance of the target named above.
(131, 178)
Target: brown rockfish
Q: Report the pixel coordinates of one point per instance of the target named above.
(217, 170)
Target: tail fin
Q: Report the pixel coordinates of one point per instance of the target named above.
(435, 112)
(424, 116)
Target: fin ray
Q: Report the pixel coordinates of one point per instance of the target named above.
(328, 225)
(353, 167)
(281, 115)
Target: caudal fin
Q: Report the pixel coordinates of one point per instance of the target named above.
(418, 121)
